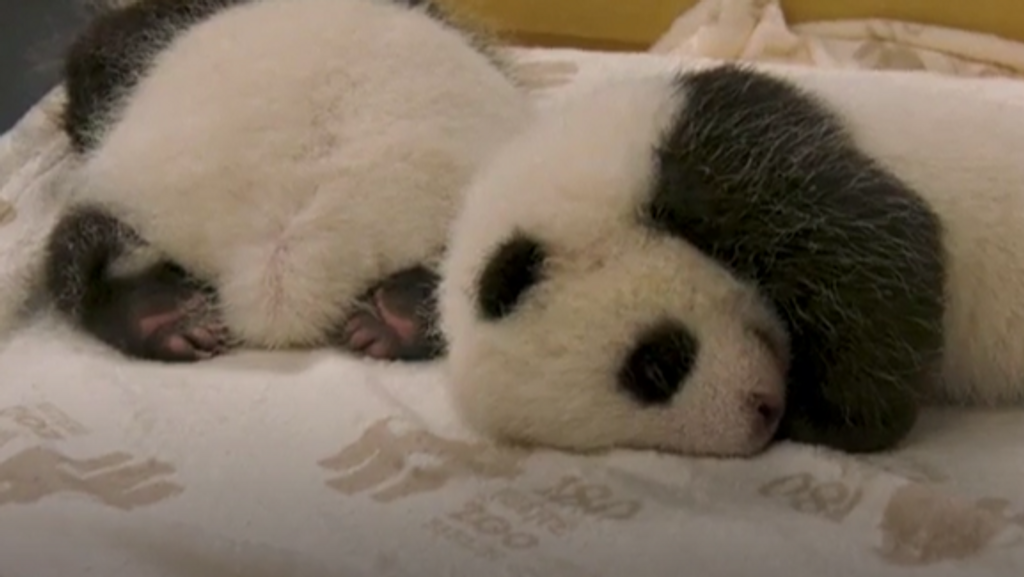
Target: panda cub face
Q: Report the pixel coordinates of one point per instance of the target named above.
(573, 323)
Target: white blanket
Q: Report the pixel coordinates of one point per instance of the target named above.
(315, 465)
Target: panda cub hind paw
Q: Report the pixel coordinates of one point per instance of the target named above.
(186, 332)
(160, 315)
(395, 319)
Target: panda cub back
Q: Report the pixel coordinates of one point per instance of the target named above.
(288, 152)
(109, 58)
(666, 261)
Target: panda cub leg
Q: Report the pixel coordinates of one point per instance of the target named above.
(396, 319)
(160, 314)
(104, 277)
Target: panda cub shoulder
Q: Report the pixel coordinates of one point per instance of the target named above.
(707, 261)
(285, 155)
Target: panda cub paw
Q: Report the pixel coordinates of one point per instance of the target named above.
(395, 319)
(161, 315)
(182, 332)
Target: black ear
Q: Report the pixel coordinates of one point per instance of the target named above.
(659, 363)
(514, 267)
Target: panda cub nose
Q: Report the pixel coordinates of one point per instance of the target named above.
(766, 409)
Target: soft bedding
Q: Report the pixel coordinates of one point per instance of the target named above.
(759, 30)
(315, 465)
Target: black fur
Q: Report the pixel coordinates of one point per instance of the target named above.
(101, 69)
(115, 50)
(658, 365)
(80, 251)
(408, 294)
(431, 8)
(411, 294)
(80, 248)
(764, 179)
(513, 269)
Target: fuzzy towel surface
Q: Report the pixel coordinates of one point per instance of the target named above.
(316, 465)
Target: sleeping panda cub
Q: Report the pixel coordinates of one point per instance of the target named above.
(709, 261)
(270, 173)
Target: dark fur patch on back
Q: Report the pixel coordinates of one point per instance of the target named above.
(764, 179)
(115, 50)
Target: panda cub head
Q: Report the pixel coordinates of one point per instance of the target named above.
(575, 321)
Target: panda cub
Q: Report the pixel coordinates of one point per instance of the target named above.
(270, 173)
(707, 261)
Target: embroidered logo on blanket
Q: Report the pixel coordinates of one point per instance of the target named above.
(922, 526)
(115, 479)
(806, 493)
(392, 460)
(381, 462)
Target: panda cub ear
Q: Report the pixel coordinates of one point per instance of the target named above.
(515, 266)
(659, 363)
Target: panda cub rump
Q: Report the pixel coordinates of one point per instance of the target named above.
(814, 241)
(292, 152)
(307, 139)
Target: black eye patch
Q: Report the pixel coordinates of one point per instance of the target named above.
(514, 267)
(660, 361)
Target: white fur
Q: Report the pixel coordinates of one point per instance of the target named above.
(546, 374)
(293, 151)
